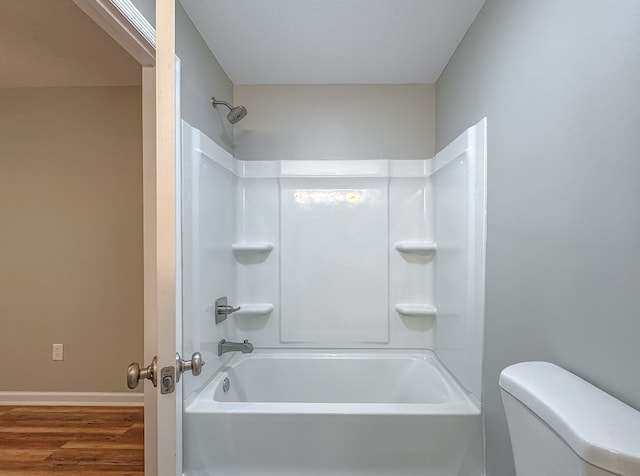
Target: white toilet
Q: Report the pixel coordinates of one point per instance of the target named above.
(561, 425)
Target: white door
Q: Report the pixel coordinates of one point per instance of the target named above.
(162, 323)
(155, 51)
(162, 403)
(162, 287)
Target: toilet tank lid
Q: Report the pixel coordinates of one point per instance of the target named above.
(599, 428)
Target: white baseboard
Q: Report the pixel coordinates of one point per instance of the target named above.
(89, 399)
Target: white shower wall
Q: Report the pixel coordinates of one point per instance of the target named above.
(208, 268)
(460, 226)
(308, 249)
(333, 276)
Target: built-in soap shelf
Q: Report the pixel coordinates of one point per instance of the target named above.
(253, 310)
(422, 248)
(252, 247)
(416, 310)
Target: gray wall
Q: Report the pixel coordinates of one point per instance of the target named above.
(339, 121)
(70, 238)
(201, 78)
(559, 83)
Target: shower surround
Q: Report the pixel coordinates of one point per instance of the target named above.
(360, 278)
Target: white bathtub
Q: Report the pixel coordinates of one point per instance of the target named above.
(356, 413)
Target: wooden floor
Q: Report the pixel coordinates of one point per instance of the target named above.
(75, 441)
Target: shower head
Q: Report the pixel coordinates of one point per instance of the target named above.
(235, 113)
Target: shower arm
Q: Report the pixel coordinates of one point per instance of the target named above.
(215, 102)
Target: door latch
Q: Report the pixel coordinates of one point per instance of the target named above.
(167, 380)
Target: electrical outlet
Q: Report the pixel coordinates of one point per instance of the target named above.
(58, 352)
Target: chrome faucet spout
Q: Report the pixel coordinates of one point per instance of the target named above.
(224, 346)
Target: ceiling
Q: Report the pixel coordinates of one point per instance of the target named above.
(45, 43)
(332, 41)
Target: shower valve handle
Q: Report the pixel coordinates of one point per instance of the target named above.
(222, 309)
(226, 309)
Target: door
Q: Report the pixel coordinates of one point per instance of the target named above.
(155, 51)
(162, 393)
(162, 281)
(162, 403)
(161, 257)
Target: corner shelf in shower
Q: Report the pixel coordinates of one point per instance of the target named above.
(254, 310)
(252, 247)
(422, 248)
(416, 310)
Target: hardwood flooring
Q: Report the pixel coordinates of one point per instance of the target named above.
(74, 441)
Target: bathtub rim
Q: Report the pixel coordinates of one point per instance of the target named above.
(461, 403)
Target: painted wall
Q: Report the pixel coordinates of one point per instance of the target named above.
(336, 122)
(558, 82)
(201, 77)
(294, 122)
(71, 237)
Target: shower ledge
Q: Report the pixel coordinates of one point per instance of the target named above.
(416, 310)
(423, 248)
(253, 310)
(252, 246)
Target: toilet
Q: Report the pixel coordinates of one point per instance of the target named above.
(561, 425)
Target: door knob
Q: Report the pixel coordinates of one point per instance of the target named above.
(135, 373)
(195, 365)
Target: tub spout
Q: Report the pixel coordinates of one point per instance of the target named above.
(245, 347)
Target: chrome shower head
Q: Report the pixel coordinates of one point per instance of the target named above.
(235, 113)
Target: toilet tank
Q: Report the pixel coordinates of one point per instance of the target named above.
(561, 425)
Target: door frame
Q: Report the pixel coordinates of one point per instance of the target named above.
(160, 146)
(126, 25)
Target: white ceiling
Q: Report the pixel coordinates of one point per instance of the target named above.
(332, 41)
(45, 43)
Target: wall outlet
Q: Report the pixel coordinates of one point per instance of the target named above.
(58, 352)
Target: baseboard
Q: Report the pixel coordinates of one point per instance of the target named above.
(89, 399)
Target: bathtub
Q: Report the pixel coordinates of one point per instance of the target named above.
(347, 413)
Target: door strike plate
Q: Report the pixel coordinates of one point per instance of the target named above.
(167, 380)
